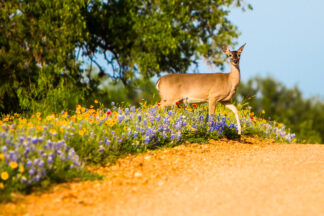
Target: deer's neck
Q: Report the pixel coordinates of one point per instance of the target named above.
(234, 76)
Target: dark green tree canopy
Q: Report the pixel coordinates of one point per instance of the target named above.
(37, 49)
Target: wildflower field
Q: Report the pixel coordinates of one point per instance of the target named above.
(39, 150)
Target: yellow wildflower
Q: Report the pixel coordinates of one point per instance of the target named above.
(29, 125)
(21, 168)
(83, 109)
(65, 114)
(39, 128)
(50, 118)
(4, 176)
(1, 185)
(61, 129)
(96, 101)
(82, 131)
(85, 115)
(79, 117)
(91, 106)
(73, 118)
(263, 111)
(0, 122)
(13, 165)
(58, 123)
(78, 107)
(2, 156)
(52, 131)
(125, 127)
(22, 120)
(91, 120)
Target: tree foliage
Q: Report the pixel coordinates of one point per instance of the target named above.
(148, 37)
(37, 51)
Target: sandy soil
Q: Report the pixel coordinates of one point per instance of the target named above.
(221, 178)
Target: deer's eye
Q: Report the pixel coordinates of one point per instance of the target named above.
(230, 55)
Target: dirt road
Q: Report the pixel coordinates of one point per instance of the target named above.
(222, 178)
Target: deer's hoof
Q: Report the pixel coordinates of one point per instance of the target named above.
(238, 138)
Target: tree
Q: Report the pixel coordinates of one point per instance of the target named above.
(146, 37)
(38, 41)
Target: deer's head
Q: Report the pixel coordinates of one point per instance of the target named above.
(234, 56)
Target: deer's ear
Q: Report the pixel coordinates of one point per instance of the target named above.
(240, 50)
(225, 49)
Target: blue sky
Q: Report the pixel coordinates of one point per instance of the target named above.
(285, 39)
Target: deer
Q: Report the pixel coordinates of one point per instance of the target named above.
(204, 87)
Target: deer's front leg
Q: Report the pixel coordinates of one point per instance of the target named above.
(232, 107)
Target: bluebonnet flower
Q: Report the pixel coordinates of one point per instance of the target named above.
(13, 156)
(135, 134)
(179, 136)
(148, 131)
(146, 140)
(26, 151)
(4, 149)
(126, 111)
(41, 164)
(101, 148)
(32, 171)
(36, 178)
(50, 159)
(112, 103)
(139, 118)
(132, 109)
(120, 119)
(34, 140)
(173, 137)
(23, 179)
(158, 118)
(178, 126)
